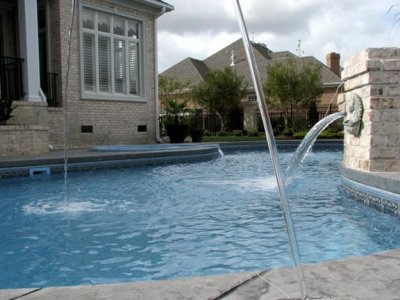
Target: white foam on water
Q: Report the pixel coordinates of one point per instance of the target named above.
(258, 183)
(57, 206)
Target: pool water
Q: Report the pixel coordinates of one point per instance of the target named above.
(181, 220)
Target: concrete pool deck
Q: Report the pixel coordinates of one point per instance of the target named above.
(373, 277)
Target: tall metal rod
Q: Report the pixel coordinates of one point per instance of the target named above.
(65, 100)
(273, 150)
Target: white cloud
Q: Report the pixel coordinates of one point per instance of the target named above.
(343, 26)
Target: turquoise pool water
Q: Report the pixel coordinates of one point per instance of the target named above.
(169, 221)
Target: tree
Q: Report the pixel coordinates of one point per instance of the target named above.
(221, 92)
(293, 85)
(396, 17)
(172, 89)
(174, 96)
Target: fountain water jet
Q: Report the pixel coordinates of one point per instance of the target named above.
(65, 106)
(308, 141)
(273, 150)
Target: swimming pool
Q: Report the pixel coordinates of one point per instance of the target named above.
(185, 219)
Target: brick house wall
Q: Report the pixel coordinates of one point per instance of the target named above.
(113, 122)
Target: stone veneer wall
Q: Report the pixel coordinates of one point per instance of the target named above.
(374, 74)
(23, 139)
(28, 113)
(27, 131)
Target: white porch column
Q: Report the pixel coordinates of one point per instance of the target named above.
(29, 48)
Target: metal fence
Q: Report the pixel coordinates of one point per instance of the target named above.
(11, 87)
(299, 120)
(48, 85)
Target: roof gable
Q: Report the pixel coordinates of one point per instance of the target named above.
(188, 70)
(234, 56)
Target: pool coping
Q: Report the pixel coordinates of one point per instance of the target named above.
(138, 155)
(89, 158)
(370, 277)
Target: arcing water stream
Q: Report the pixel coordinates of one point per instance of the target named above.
(306, 144)
(308, 141)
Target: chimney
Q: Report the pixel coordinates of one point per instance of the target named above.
(333, 62)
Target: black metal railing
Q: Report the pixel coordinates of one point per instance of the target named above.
(48, 84)
(11, 86)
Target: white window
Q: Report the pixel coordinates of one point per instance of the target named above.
(110, 53)
(252, 97)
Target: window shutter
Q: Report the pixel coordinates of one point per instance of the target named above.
(89, 70)
(104, 64)
(119, 66)
(133, 69)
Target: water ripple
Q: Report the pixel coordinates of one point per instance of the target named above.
(180, 220)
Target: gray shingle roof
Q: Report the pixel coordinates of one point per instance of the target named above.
(194, 70)
(188, 70)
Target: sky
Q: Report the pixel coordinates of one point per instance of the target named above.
(198, 29)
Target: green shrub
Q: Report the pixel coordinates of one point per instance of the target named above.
(336, 127)
(299, 134)
(252, 132)
(327, 134)
(222, 133)
(237, 132)
(207, 133)
(288, 131)
(331, 135)
(245, 131)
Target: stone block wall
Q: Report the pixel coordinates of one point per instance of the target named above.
(374, 75)
(28, 113)
(27, 131)
(23, 139)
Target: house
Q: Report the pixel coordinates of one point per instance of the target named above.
(112, 74)
(234, 56)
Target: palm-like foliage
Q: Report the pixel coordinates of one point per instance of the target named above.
(5, 110)
(176, 110)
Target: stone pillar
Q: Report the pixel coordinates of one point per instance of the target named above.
(373, 75)
(29, 48)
